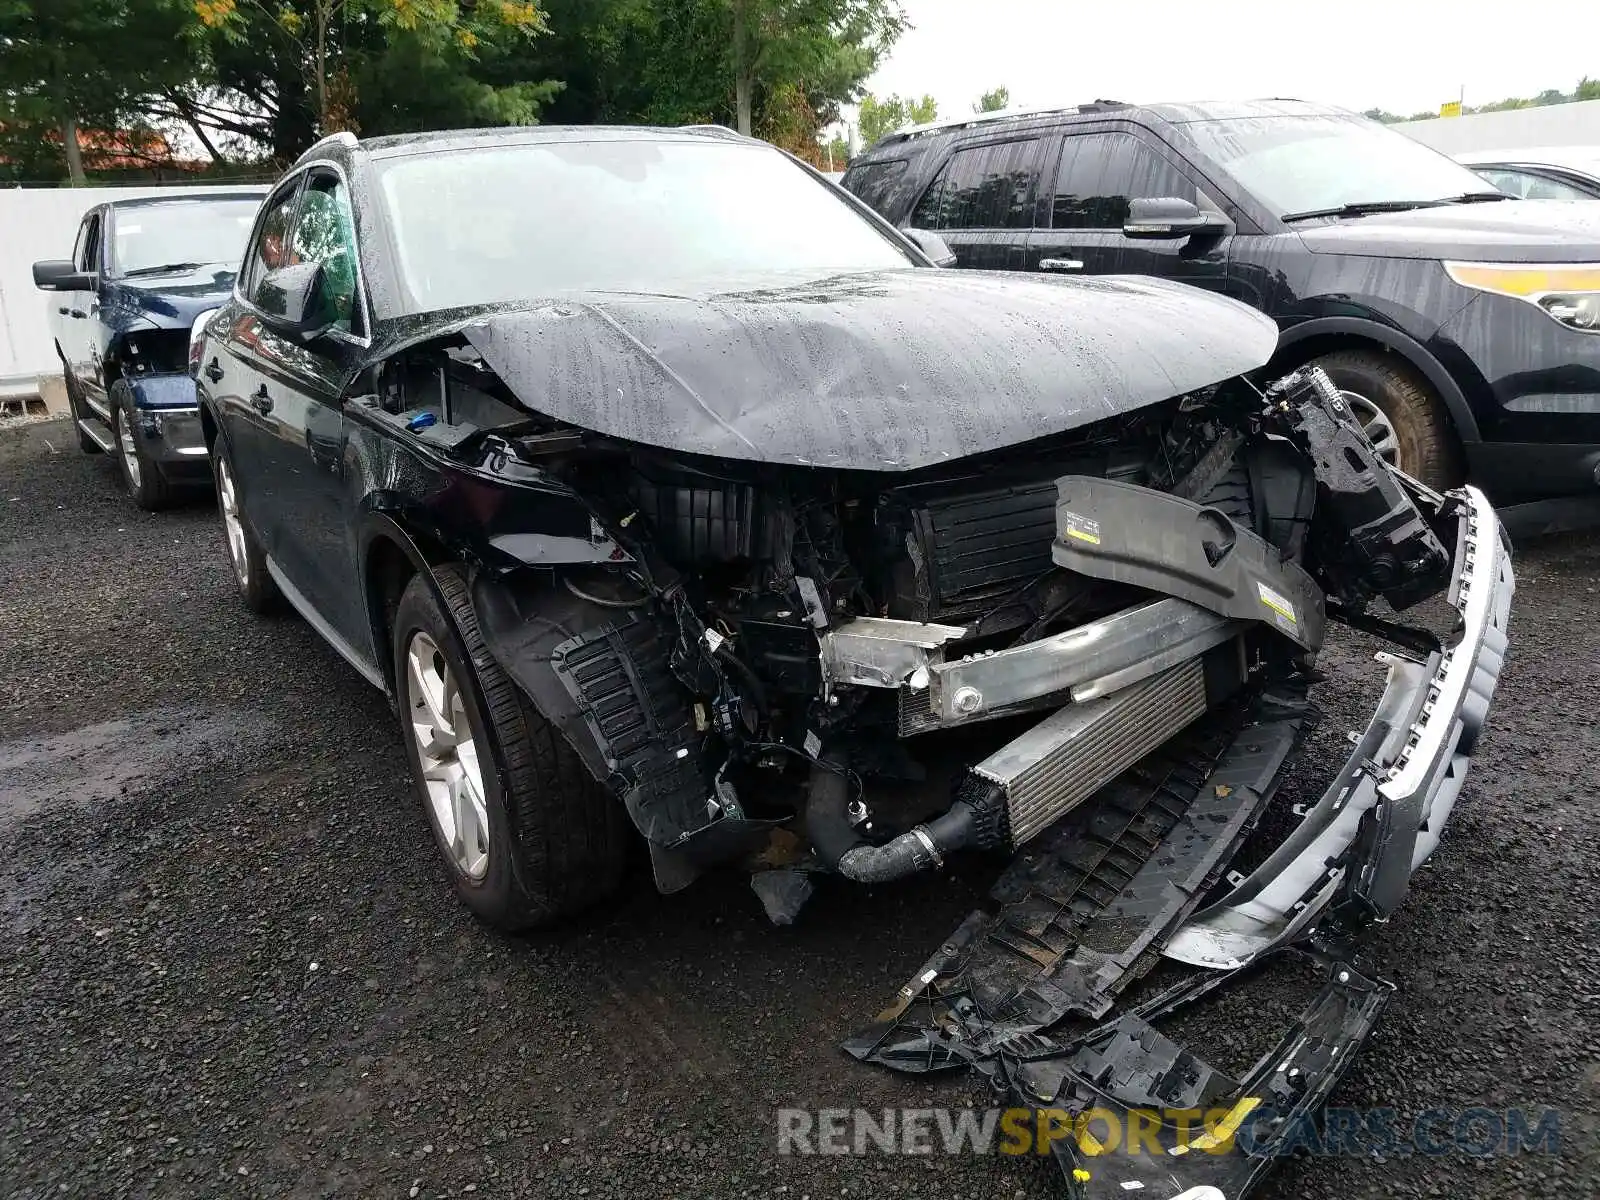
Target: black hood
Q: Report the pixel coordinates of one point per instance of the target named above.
(1533, 231)
(893, 370)
(168, 301)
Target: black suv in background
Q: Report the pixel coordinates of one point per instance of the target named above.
(1463, 326)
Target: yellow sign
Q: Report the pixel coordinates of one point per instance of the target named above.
(1450, 108)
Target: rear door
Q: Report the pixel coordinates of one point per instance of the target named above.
(1094, 178)
(981, 202)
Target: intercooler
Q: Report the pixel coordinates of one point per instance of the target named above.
(1071, 754)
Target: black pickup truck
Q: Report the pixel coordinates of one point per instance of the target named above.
(142, 270)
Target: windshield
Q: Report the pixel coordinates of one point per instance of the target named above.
(1301, 164)
(201, 232)
(511, 222)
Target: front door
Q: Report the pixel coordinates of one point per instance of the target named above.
(298, 384)
(1097, 175)
(981, 202)
(82, 323)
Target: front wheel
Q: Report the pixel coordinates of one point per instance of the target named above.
(526, 832)
(1403, 416)
(146, 486)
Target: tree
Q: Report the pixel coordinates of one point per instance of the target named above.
(993, 101)
(1587, 89)
(281, 72)
(875, 117)
(67, 66)
(800, 42)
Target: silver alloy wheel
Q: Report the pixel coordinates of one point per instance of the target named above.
(229, 499)
(1379, 429)
(130, 452)
(449, 756)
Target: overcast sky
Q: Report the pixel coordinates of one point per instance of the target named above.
(1402, 55)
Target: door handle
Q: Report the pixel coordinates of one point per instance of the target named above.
(214, 372)
(1061, 264)
(78, 312)
(260, 401)
(63, 310)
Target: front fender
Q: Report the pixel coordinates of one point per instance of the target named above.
(1402, 343)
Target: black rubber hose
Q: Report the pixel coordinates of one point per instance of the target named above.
(851, 855)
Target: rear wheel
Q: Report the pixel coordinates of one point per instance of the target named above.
(526, 832)
(1403, 416)
(245, 555)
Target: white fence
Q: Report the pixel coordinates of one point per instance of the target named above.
(37, 223)
(1516, 129)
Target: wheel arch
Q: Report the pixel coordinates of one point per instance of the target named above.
(1301, 343)
(390, 554)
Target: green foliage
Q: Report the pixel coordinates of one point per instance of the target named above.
(993, 101)
(81, 64)
(876, 118)
(1586, 89)
(256, 81)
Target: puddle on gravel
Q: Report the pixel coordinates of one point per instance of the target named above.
(99, 761)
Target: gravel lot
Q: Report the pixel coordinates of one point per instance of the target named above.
(231, 963)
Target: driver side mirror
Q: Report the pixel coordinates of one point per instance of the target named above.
(292, 301)
(933, 246)
(62, 275)
(1170, 217)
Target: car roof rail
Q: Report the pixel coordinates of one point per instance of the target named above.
(721, 131)
(1004, 114)
(344, 137)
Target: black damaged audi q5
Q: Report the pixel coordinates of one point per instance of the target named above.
(670, 493)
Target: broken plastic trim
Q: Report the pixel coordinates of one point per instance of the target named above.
(1383, 814)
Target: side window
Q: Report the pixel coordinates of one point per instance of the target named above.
(1101, 173)
(80, 248)
(1512, 183)
(1543, 187)
(872, 182)
(268, 250)
(87, 252)
(324, 232)
(984, 187)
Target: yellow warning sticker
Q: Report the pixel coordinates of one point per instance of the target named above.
(1281, 607)
(1081, 528)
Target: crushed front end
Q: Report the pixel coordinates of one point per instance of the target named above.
(1122, 622)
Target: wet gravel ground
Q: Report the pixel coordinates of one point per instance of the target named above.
(229, 963)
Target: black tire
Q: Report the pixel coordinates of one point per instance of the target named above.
(247, 561)
(77, 408)
(558, 841)
(1428, 448)
(146, 485)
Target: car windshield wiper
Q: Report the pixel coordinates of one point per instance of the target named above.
(163, 269)
(1358, 208)
(1361, 208)
(1473, 198)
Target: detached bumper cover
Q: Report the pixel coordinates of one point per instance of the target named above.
(1012, 992)
(1357, 847)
